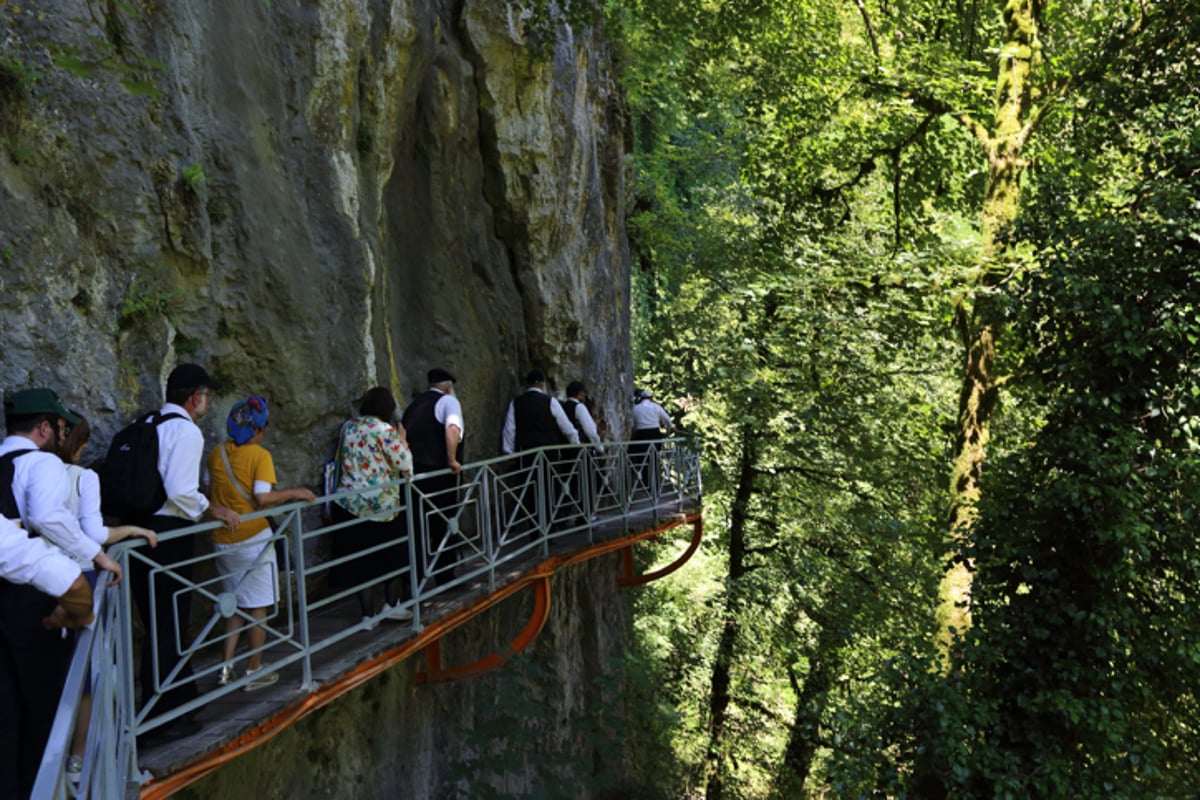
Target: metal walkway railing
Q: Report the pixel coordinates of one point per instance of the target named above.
(504, 511)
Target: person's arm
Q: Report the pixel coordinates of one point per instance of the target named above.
(508, 437)
(265, 495)
(564, 424)
(395, 449)
(43, 505)
(74, 609)
(448, 411)
(586, 423)
(453, 436)
(46, 486)
(664, 420)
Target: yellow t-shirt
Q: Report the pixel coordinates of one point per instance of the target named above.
(250, 463)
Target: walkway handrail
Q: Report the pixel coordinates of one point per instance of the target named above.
(503, 511)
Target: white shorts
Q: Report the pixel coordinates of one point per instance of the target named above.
(257, 587)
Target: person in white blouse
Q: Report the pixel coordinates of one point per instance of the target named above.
(33, 488)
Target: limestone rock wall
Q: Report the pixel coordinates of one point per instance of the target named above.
(311, 197)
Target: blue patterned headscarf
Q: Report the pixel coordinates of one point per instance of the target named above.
(246, 418)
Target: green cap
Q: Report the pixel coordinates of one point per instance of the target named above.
(28, 402)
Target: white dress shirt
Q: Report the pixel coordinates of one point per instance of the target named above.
(587, 424)
(26, 559)
(180, 454)
(448, 411)
(40, 486)
(649, 415)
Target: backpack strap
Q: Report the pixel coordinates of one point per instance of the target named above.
(8, 500)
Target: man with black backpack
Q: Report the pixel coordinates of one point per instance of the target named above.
(178, 450)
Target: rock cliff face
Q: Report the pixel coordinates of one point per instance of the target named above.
(311, 197)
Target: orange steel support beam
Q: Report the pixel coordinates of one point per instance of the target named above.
(630, 578)
(436, 673)
(158, 788)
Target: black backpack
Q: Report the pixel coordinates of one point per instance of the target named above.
(8, 500)
(131, 488)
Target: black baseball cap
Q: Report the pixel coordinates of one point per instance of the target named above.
(438, 375)
(191, 376)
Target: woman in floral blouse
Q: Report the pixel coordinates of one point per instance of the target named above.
(373, 452)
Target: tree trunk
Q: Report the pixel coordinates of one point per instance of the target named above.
(976, 317)
(719, 695)
(804, 738)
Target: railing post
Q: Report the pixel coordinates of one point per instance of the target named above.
(414, 530)
(299, 559)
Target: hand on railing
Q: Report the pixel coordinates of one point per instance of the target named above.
(74, 609)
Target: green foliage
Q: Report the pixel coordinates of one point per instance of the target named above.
(17, 80)
(194, 178)
(113, 51)
(543, 20)
(143, 302)
(809, 187)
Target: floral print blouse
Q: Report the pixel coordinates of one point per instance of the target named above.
(372, 454)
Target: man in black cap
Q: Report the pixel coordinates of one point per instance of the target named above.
(181, 451)
(33, 660)
(434, 423)
(535, 419)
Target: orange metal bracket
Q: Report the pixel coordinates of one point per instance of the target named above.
(436, 673)
(630, 578)
(427, 640)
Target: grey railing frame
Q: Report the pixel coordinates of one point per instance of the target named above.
(492, 521)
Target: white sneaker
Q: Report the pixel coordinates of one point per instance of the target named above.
(396, 613)
(368, 624)
(259, 679)
(226, 675)
(74, 771)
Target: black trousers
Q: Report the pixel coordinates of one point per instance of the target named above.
(33, 666)
(441, 504)
(643, 454)
(172, 614)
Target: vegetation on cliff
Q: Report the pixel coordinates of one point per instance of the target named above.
(876, 245)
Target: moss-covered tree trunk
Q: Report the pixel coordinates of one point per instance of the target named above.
(976, 317)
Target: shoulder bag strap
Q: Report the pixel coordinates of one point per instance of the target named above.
(229, 471)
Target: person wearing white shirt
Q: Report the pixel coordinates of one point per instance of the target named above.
(535, 420)
(649, 421)
(180, 453)
(34, 660)
(434, 424)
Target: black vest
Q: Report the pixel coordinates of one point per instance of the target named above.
(570, 405)
(427, 436)
(535, 424)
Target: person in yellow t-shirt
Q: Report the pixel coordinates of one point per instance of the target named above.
(242, 477)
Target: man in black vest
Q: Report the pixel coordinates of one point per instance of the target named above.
(535, 419)
(576, 407)
(434, 423)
